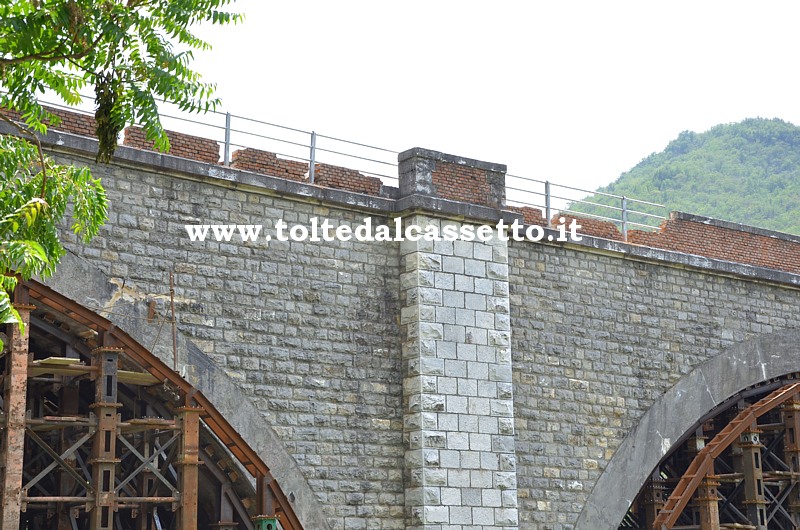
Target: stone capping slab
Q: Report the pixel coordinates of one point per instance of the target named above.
(738, 227)
(452, 159)
(86, 147)
(680, 259)
(454, 208)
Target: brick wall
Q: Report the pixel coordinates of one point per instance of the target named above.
(460, 183)
(326, 175)
(455, 178)
(726, 241)
(591, 227)
(267, 163)
(701, 236)
(346, 179)
(530, 216)
(710, 238)
(71, 122)
(181, 145)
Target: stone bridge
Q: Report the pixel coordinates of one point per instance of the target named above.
(445, 385)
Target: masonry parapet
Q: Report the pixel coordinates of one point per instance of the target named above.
(723, 240)
(71, 122)
(181, 145)
(258, 161)
(426, 172)
(439, 182)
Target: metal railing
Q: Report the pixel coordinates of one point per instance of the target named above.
(240, 132)
(556, 198)
(311, 148)
(296, 142)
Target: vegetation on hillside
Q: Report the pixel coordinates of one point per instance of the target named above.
(746, 172)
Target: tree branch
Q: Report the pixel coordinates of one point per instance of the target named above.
(27, 132)
(42, 56)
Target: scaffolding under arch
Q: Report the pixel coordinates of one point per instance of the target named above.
(99, 434)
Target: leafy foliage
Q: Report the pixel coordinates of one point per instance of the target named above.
(127, 50)
(747, 172)
(32, 204)
(132, 53)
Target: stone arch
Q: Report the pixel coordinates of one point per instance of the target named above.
(676, 411)
(88, 286)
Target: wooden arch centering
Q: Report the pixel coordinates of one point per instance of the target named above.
(702, 465)
(115, 344)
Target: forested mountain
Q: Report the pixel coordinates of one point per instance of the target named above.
(746, 172)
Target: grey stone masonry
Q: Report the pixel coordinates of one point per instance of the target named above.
(457, 386)
(375, 378)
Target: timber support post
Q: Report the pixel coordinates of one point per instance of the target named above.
(15, 404)
(188, 462)
(791, 419)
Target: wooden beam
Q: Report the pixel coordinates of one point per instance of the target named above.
(188, 462)
(15, 408)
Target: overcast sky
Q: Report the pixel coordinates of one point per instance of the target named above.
(575, 92)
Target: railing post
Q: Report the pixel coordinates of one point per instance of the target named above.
(548, 213)
(227, 159)
(312, 157)
(624, 218)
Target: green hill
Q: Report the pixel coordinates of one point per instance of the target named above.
(746, 172)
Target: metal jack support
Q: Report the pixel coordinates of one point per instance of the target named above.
(266, 504)
(104, 451)
(706, 503)
(263, 522)
(748, 462)
(653, 498)
(791, 418)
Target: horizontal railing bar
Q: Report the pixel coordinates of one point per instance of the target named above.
(565, 187)
(552, 184)
(355, 156)
(637, 201)
(69, 108)
(270, 124)
(511, 188)
(524, 203)
(306, 160)
(204, 124)
(265, 137)
(608, 206)
(636, 212)
(593, 216)
(586, 202)
(610, 219)
(358, 144)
